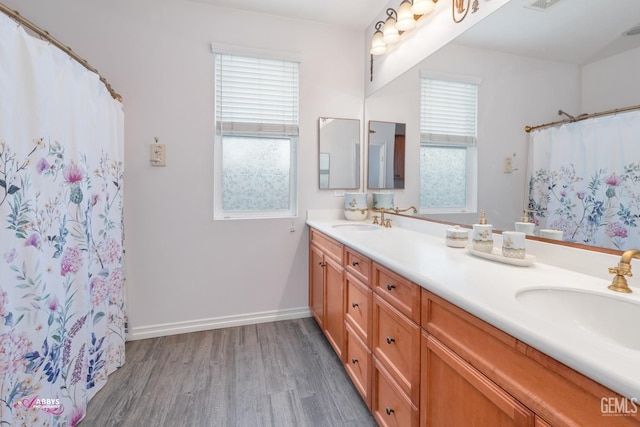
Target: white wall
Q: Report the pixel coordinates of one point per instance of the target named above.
(611, 83)
(185, 271)
(515, 91)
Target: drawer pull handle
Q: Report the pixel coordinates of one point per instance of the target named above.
(322, 264)
(390, 286)
(390, 340)
(354, 305)
(389, 411)
(354, 361)
(354, 263)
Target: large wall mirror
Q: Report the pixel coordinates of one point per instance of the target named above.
(339, 155)
(581, 63)
(386, 155)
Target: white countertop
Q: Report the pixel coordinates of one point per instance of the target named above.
(488, 289)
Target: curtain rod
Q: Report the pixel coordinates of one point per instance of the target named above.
(528, 129)
(15, 15)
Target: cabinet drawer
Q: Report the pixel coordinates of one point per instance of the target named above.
(390, 406)
(398, 291)
(358, 364)
(358, 309)
(396, 344)
(358, 265)
(327, 244)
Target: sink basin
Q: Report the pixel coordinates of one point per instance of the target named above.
(357, 227)
(609, 317)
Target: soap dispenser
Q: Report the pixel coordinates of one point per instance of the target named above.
(524, 226)
(482, 235)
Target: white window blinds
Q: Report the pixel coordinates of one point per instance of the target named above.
(256, 95)
(448, 112)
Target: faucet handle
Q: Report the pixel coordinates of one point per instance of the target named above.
(619, 283)
(622, 269)
(375, 220)
(387, 223)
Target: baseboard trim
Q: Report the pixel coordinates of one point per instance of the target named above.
(165, 329)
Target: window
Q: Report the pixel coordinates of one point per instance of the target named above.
(448, 150)
(256, 139)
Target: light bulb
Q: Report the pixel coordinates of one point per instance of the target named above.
(390, 34)
(405, 17)
(378, 47)
(422, 7)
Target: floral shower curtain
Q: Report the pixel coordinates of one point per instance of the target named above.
(585, 180)
(62, 320)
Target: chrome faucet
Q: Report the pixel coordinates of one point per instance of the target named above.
(619, 283)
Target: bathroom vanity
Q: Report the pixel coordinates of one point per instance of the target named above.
(433, 336)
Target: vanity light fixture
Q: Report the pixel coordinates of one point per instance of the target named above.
(388, 32)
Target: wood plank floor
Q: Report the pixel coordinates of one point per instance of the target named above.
(272, 374)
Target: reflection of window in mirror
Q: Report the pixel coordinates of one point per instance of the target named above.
(386, 155)
(324, 170)
(339, 153)
(448, 150)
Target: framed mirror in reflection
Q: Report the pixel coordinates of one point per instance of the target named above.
(339, 153)
(386, 155)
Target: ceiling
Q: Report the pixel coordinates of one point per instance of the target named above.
(354, 14)
(574, 31)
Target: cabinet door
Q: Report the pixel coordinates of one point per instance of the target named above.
(334, 305)
(456, 394)
(316, 284)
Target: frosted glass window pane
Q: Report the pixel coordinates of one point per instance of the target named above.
(256, 173)
(443, 177)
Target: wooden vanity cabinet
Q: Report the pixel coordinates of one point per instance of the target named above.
(418, 360)
(468, 357)
(326, 288)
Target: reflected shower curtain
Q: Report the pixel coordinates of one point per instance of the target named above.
(61, 250)
(585, 180)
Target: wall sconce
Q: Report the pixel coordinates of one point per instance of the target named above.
(388, 32)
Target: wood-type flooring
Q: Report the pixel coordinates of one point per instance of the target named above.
(276, 374)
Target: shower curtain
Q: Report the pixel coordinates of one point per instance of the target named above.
(62, 320)
(585, 180)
